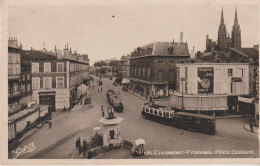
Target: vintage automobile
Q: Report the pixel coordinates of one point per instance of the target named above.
(100, 82)
(88, 100)
(138, 148)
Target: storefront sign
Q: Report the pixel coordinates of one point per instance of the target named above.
(246, 100)
(205, 79)
(46, 93)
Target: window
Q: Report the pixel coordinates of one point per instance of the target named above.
(171, 61)
(23, 88)
(35, 67)
(160, 61)
(59, 82)
(171, 50)
(47, 67)
(35, 83)
(159, 74)
(28, 87)
(23, 77)
(47, 82)
(171, 72)
(59, 67)
(28, 77)
(149, 72)
(230, 72)
(10, 70)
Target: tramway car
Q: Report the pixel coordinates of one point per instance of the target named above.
(187, 121)
(115, 101)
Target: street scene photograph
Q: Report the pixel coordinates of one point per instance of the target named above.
(132, 80)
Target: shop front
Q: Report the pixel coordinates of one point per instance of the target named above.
(48, 98)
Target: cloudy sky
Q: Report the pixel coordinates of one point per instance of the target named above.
(92, 29)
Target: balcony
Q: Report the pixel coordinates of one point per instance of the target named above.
(14, 77)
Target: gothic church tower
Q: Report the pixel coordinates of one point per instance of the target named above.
(236, 33)
(222, 34)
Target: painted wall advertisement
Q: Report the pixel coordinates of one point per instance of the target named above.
(205, 79)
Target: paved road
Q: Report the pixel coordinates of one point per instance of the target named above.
(59, 141)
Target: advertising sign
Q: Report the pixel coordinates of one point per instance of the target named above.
(205, 79)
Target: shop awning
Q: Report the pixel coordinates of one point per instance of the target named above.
(125, 81)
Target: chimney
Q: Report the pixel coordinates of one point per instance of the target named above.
(31, 48)
(12, 42)
(173, 40)
(21, 46)
(70, 49)
(181, 37)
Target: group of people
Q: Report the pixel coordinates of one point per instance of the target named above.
(82, 149)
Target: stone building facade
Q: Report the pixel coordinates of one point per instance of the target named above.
(55, 80)
(152, 67)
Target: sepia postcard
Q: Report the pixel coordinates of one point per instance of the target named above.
(129, 82)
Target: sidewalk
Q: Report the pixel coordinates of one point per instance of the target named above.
(232, 116)
(80, 105)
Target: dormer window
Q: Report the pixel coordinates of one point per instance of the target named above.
(171, 50)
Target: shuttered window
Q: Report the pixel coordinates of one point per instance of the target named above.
(35, 67)
(47, 82)
(35, 83)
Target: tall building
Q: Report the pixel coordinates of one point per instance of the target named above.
(225, 41)
(152, 67)
(55, 79)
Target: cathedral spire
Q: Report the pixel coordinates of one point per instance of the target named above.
(222, 17)
(236, 20)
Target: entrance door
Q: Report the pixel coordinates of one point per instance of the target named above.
(112, 134)
(48, 100)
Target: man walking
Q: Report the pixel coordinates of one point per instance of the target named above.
(251, 126)
(102, 110)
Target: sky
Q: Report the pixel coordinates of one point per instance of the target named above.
(92, 29)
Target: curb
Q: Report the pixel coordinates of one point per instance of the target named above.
(230, 117)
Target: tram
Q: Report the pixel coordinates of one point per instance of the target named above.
(115, 101)
(184, 120)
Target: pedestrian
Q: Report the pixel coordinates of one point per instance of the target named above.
(64, 109)
(251, 125)
(77, 143)
(146, 96)
(98, 89)
(84, 147)
(101, 88)
(50, 124)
